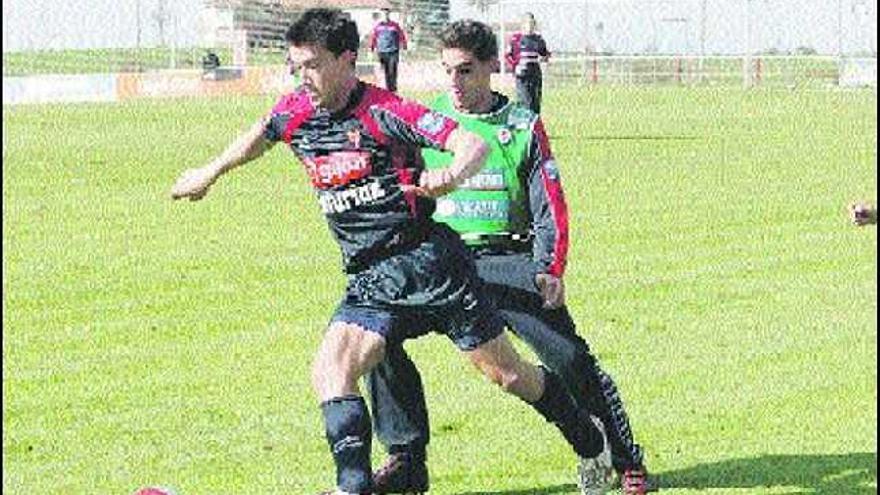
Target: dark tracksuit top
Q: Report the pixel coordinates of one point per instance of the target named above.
(387, 39)
(523, 58)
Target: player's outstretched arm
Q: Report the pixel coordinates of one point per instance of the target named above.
(469, 155)
(862, 213)
(195, 182)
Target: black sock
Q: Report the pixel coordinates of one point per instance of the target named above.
(347, 422)
(557, 407)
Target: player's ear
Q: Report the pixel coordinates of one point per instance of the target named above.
(349, 56)
(495, 65)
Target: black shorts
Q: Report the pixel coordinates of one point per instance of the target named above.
(433, 286)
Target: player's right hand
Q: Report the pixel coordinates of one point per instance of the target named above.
(193, 184)
(433, 183)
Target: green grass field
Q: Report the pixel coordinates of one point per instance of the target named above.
(712, 268)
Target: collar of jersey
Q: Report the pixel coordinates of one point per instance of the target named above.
(353, 100)
(497, 116)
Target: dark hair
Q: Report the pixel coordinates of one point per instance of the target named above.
(470, 35)
(332, 29)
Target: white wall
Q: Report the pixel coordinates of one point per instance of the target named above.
(631, 26)
(43, 25)
(628, 25)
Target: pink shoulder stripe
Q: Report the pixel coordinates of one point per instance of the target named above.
(298, 106)
(373, 95)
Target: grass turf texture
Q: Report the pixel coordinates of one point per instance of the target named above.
(148, 342)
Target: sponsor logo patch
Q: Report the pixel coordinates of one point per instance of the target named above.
(338, 168)
(342, 201)
(504, 135)
(551, 169)
(485, 181)
(474, 209)
(445, 207)
(354, 138)
(431, 123)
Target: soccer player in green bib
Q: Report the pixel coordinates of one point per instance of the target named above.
(513, 217)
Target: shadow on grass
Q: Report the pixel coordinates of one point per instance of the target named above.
(634, 137)
(840, 474)
(544, 490)
(831, 474)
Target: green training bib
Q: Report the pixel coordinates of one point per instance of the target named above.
(490, 202)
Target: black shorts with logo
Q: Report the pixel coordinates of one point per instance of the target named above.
(432, 285)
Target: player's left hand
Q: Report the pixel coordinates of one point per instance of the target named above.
(862, 213)
(552, 290)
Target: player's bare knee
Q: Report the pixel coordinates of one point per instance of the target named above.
(493, 375)
(331, 362)
(515, 378)
(504, 378)
(511, 382)
(347, 353)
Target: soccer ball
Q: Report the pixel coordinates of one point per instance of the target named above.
(154, 490)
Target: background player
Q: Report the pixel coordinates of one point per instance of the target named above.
(387, 39)
(524, 56)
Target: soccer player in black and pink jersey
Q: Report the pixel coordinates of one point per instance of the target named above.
(407, 275)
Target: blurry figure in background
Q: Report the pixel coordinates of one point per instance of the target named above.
(210, 62)
(524, 56)
(863, 213)
(387, 39)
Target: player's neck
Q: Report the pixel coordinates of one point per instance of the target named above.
(484, 103)
(343, 96)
